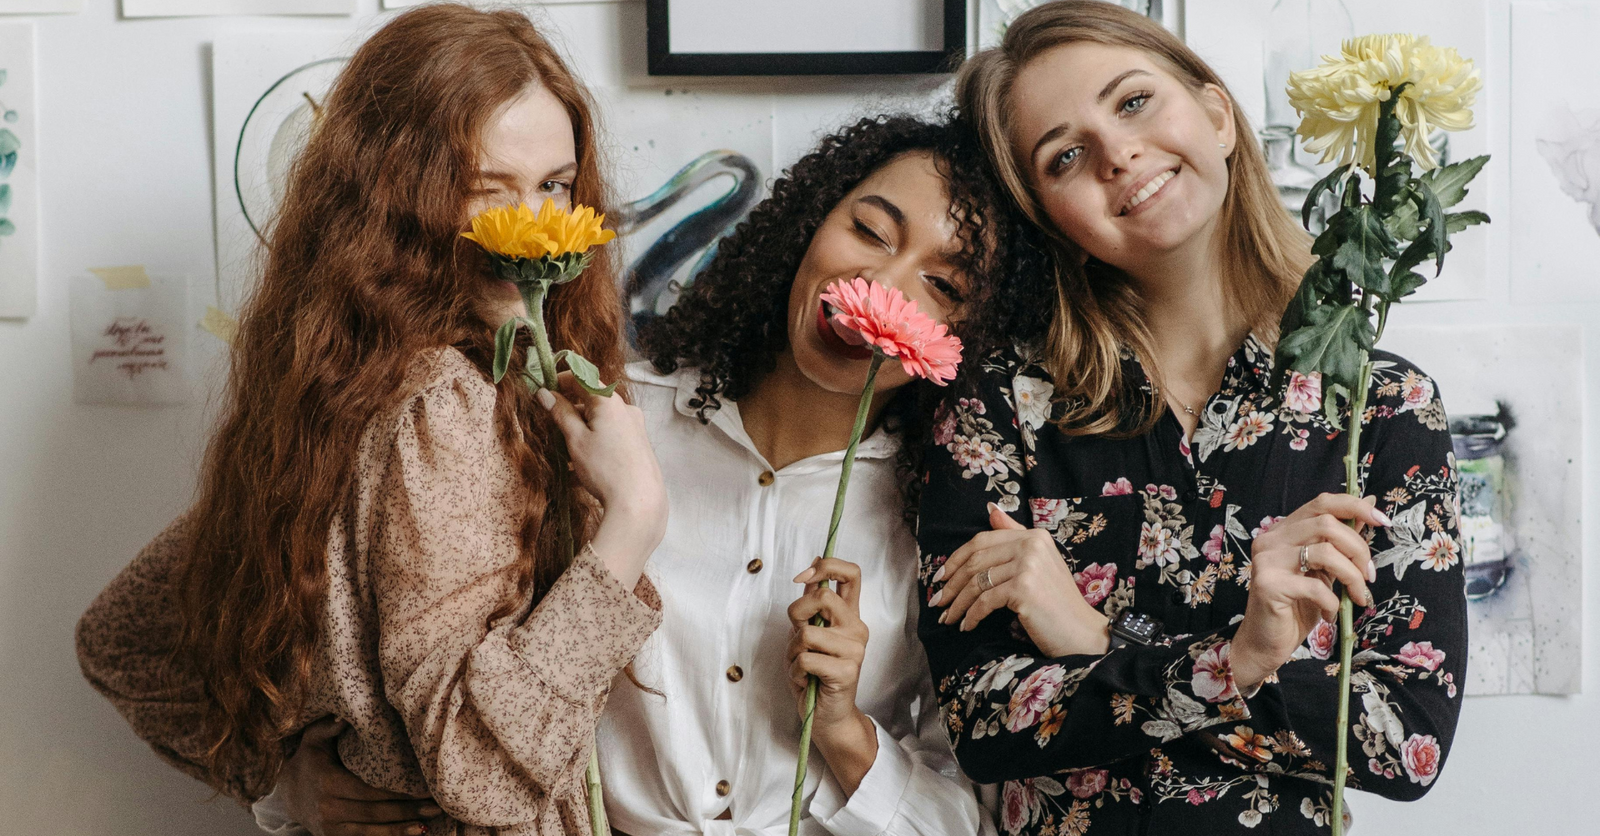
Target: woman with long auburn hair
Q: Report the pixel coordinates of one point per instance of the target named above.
(1130, 533)
(372, 538)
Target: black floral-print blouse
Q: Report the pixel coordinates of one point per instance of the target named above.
(1158, 739)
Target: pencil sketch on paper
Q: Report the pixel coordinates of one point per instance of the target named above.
(1569, 142)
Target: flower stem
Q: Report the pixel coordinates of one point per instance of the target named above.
(533, 295)
(1352, 486)
(827, 551)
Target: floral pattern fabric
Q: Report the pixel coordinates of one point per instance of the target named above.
(1158, 738)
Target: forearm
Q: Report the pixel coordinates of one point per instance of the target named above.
(625, 540)
(850, 747)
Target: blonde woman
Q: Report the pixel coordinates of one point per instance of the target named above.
(1130, 538)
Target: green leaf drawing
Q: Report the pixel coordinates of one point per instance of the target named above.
(505, 341)
(587, 375)
(5, 197)
(7, 227)
(1331, 342)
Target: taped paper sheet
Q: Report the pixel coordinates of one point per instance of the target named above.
(129, 338)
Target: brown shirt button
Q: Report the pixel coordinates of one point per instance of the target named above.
(765, 478)
(723, 788)
(735, 673)
(753, 566)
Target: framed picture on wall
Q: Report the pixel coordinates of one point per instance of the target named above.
(815, 37)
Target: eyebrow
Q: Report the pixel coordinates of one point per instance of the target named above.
(949, 255)
(511, 179)
(889, 208)
(1057, 131)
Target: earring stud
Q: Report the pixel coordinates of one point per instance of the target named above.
(1222, 145)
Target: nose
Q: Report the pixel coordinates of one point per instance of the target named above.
(1118, 151)
(900, 272)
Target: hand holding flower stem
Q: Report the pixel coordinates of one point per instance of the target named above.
(1382, 90)
(892, 326)
(536, 252)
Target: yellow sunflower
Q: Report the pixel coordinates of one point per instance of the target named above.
(517, 232)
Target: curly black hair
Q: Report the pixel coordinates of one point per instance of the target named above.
(731, 321)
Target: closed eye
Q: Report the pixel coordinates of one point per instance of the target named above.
(866, 231)
(945, 287)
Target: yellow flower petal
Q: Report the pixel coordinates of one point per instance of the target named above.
(517, 232)
(1339, 100)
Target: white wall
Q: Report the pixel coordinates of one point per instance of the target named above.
(124, 170)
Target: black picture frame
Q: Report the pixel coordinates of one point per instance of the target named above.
(663, 61)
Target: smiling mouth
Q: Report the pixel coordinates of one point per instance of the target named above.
(853, 348)
(1149, 190)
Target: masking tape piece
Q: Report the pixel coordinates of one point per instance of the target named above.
(131, 277)
(220, 325)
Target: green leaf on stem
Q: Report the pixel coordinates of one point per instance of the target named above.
(1363, 246)
(1457, 221)
(1314, 286)
(1332, 342)
(1450, 182)
(1323, 185)
(586, 373)
(1433, 214)
(505, 341)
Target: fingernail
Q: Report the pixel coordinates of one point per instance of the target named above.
(943, 616)
(416, 830)
(429, 812)
(1382, 518)
(937, 597)
(939, 575)
(544, 398)
(993, 507)
(801, 578)
(1372, 573)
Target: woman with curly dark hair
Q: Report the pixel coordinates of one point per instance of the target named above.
(749, 397)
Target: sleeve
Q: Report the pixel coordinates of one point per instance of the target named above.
(1411, 646)
(125, 643)
(500, 716)
(1011, 712)
(912, 789)
(272, 816)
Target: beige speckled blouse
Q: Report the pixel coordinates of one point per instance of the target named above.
(495, 721)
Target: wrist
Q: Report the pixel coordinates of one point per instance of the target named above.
(1244, 663)
(849, 746)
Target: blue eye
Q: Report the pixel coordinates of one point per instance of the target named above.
(1135, 103)
(1065, 158)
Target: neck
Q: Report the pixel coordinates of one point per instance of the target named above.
(790, 418)
(1193, 326)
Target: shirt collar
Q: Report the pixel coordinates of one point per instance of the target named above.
(687, 400)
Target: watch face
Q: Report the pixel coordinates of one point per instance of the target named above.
(1137, 627)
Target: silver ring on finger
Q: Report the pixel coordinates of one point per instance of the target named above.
(1305, 560)
(984, 582)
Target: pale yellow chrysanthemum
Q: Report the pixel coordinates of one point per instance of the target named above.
(516, 232)
(1338, 101)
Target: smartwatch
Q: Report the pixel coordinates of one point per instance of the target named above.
(1134, 628)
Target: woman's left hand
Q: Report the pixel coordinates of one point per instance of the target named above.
(833, 653)
(1018, 568)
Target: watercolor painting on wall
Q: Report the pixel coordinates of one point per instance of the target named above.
(994, 15)
(1555, 153)
(1514, 395)
(19, 153)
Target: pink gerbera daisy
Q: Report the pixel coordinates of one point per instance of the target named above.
(891, 323)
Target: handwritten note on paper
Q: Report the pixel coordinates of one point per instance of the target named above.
(129, 342)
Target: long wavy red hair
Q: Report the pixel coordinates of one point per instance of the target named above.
(364, 269)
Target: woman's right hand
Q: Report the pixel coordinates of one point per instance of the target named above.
(612, 458)
(1286, 603)
(326, 799)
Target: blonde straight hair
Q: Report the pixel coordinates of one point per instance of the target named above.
(1098, 310)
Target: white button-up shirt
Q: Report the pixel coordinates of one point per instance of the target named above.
(716, 741)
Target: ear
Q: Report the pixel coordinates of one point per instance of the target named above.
(1220, 108)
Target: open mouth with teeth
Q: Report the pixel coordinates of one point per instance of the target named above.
(839, 339)
(1149, 190)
